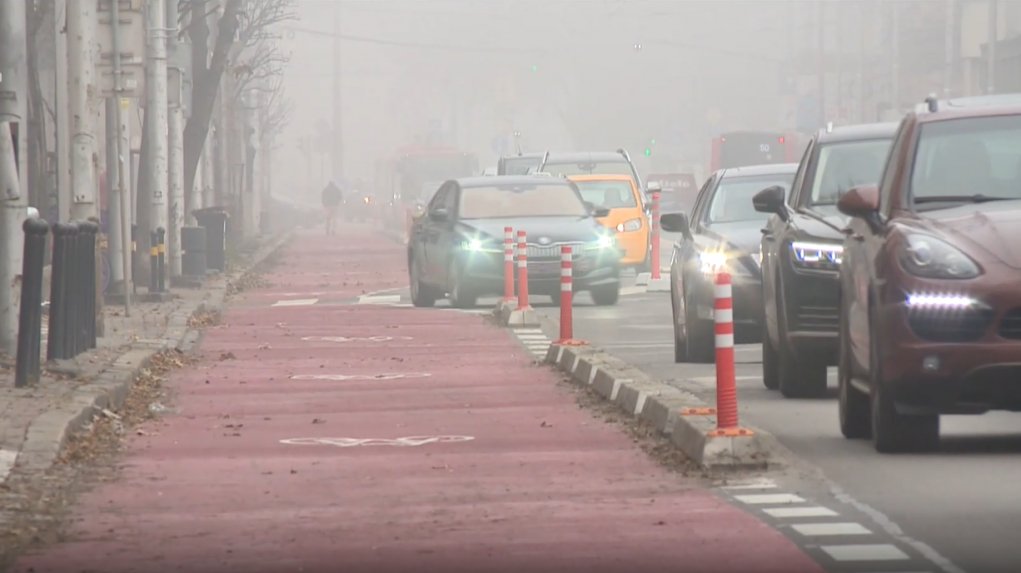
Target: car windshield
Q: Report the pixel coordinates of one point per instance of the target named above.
(967, 160)
(732, 201)
(529, 200)
(845, 165)
(608, 194)
(588, 168)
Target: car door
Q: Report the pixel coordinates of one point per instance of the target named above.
(431, 231)
(684, 247)
(775, 235)
(449, 238)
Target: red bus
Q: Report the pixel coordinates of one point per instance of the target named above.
(746, 148)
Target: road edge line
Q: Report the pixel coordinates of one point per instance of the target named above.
(47, 435)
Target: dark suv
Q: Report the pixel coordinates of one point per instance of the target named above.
(930, 309)
(801, 248)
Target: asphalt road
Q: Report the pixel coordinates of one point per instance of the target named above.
(962, 501)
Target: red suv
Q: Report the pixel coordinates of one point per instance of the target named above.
(930, 281)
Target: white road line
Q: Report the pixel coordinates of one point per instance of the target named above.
(629, 291)
(788, 512)
(379, 299)
(769, 498)
(880, 552)
(821, 529)
(532, 336)
(527, 331)
(296, 302)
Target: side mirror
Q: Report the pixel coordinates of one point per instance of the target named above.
(600, 213)
(439, 216)
(675, 223)
(860, 202)
(769, 200)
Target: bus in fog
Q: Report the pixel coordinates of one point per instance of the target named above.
(746, 148)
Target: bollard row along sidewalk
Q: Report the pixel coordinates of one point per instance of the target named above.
(36, 421)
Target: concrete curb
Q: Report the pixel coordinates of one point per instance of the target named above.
(47, 434)
(662, 406)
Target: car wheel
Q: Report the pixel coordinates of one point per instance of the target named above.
(892, 431)
(680, 347)
(606, 295)
(461, 295)
(421, 294)
(855, 409)
(699, 338)
(770, 368)
(800, 377)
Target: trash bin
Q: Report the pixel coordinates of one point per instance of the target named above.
(193, 245)
(214, 219)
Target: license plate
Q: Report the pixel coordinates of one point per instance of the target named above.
(544, 269)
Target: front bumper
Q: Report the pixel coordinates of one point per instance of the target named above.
(746, 294)
(484, 272)
(635, 246)
(811, 301)
(953, 360)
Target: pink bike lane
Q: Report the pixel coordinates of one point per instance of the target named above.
(353, 437)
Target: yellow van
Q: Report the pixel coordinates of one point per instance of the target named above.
(621, 196)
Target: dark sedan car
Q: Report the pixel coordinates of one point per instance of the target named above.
(930, 307)
(722, 233)
(456, 249)
(801, 247)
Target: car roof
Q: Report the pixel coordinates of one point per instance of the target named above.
(770, 169)
(975, 106)
(602, 177)
(490, 181)
(586, 156)
(524, 156)
(859, 132)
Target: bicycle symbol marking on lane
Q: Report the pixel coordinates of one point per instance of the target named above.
(354, 338)
(409, 441)
(346, 377)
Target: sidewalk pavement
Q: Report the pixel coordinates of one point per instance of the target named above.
(36, 422)
(320, 434)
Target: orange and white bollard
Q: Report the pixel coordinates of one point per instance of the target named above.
(508, 264)
(726, 379)
(522, 272)
(567, 299)
(654, 247)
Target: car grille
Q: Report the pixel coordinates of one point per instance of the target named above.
(818, 318)
(538, 252)
(1010, 324)
(957, 325)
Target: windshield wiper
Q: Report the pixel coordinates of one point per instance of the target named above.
(963, 199)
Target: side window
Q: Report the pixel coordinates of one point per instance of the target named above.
(704, 194)
(450, 199)
(794, 195)
(886, 182)
(439, 199)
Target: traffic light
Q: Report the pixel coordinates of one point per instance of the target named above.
(535, 68)
(648, 152)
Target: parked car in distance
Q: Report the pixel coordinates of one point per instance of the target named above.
(801, 246)
(930, 309)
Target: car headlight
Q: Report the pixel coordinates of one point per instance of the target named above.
(604, 242)
(817, 256)
(928, 257)
(479, 246)
(712, 262)
(629, 226)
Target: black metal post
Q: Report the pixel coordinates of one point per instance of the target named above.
(56, 341)
(162, 236)
(30, 317)
(71, 292)
(134, 263)
(82, 288)
(154, 266)
(89, 284)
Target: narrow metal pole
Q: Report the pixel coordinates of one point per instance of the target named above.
(156, 110)
(122, 219)
(338, 131)
(949, 36)
(175, 158)
(821, 27)
(895, 57)
(63, 124)
(994, 8)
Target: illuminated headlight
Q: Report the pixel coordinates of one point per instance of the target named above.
(928, 257)
(940, 302)
(629, 226)
(477, 246)
(711, 263)
(821, 256)
(757, 257)
(604, 242)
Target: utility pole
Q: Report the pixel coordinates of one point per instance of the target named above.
(338, 132)
(82, 87)
(156, 112)
(949, 45)
(895, 57)
(821, 28)
(61, 119)
(863, 12)
(994, 9)
(118, 160)
(176, 147)
(13, 201)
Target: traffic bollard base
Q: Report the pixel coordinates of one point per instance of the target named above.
(643, 279)
(662, 284)
(519, 317)
(570, 342)
(729, 433)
